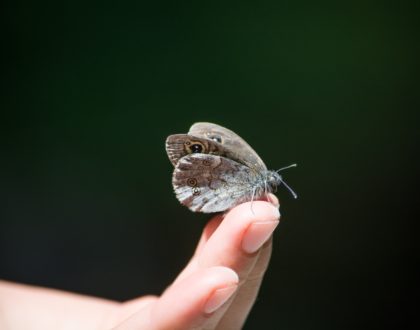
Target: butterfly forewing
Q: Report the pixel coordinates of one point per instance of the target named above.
(239, 150)
(180, 145)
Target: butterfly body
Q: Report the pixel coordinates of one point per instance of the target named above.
(216, 170)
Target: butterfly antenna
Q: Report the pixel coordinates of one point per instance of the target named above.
(286, 167)
(290, 189)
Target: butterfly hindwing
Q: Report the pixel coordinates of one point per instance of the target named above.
(211, 183)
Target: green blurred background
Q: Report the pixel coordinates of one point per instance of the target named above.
(91, 90)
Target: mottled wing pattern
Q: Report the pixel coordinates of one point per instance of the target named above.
(238, 149)
(210, 183)
(180, 145)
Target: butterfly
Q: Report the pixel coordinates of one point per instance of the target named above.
(215, 169)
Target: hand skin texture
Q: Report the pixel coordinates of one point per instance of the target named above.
(216, 290)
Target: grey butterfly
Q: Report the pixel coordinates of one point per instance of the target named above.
(215, 169)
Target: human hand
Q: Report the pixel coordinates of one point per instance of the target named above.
(218, 287)
(216, 290)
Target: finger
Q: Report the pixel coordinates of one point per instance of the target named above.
(135, 314)
(208, 231)
(238, 310)
(191, 302)
(237, 237)
(133, 306)
(236, 241)
(273, 200)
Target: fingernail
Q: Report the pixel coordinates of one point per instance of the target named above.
(273, 200)
(257, 234)
(218, 298)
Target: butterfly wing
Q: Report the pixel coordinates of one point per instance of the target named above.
(237, 148)
(211, 183)
(212, 139)
(180, 145)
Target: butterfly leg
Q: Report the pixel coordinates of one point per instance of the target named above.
(252, 199)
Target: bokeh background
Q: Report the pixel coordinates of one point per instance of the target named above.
(90, 90)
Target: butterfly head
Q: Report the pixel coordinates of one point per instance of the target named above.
(273, 180)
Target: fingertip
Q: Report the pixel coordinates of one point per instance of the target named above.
(225, 282)
(273, 200)
(256, 210)
(225, 274)
(208, 230)
(212, 225)
(214, 277)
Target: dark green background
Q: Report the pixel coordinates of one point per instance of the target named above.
(91, 90)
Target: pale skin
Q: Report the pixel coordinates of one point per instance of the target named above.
(216, 290)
